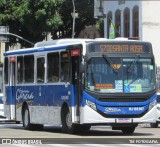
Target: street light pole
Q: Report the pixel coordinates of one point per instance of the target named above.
(73, 15)
(11, 34)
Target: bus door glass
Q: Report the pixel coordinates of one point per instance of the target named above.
(76, 77)
(40, 79)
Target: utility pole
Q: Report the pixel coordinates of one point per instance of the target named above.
(74, 15)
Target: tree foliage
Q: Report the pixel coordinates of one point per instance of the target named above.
(100, 26)
(32, 18)
(85, 10)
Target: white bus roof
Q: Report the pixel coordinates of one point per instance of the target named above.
(60, 41)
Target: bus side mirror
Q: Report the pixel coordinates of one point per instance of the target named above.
(82, 67)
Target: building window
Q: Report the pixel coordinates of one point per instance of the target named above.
(109, 18)
(117, 23)
(135, 21)
(126, 23)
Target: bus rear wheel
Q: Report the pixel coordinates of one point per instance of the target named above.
(128, 130)
(26, 119)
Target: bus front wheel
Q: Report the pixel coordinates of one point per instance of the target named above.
(26, 118)
(154, 125)
(128, 130)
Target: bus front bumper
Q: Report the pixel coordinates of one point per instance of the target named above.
(90, 116)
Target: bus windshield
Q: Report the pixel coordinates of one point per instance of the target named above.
(116, 74)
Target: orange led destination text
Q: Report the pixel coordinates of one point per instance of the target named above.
(121, 48)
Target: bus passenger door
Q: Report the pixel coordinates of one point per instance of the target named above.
(11, 91)
(40, 88)
(76, 82)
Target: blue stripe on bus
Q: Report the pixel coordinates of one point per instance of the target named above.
(119, 108)
(35, 50)
(117, 104)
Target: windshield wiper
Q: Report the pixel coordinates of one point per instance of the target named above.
(108, 60)
(133, 63)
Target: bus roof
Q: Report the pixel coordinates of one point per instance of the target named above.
(60, 41)
(62, 44)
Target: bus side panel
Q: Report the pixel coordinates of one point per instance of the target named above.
(56, 95)
(44, 102)
(9, 102)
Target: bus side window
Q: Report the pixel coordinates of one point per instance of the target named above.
(53, 67)
(40, 70)
(29, 69)
(64, 67)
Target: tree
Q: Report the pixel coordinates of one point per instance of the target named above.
(32, 19)
(29, 18)
(100, 26)
(85, 9)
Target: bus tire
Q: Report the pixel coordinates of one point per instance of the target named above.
(128, 130)
(85, 127)
(37, 127)
(154, 125)
(67, 126)
(26, 119)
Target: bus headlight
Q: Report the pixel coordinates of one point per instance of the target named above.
(152, 104)
(91, 104)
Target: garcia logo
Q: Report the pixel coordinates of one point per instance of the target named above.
(112, 110)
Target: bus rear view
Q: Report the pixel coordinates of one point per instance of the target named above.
(120, 85)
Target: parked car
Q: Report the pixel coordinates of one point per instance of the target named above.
(1, 106)
(155, 125)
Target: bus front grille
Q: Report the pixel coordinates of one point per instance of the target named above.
(129, 99)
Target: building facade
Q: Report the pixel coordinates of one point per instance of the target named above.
(135, 19)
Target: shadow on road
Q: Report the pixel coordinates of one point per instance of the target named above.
(95, 131)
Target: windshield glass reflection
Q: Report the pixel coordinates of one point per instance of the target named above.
(106, 74)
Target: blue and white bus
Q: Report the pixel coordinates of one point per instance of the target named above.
(78, 83)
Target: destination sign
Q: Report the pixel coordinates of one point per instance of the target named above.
(120, 48)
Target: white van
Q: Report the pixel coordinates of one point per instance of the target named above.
(155, 125)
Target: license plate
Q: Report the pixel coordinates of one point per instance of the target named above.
(124, 120)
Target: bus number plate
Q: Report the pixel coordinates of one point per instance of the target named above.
(124, 120)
